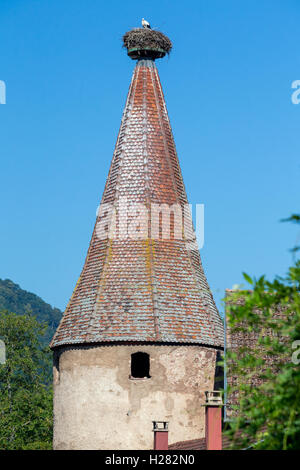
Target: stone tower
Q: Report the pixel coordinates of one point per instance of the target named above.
(139, 337)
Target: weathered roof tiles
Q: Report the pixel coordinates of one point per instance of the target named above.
(149, 289)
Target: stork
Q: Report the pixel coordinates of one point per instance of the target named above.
(145, 24)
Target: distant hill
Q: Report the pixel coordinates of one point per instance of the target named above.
(19, 301)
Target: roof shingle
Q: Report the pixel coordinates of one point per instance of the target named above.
(144, 289)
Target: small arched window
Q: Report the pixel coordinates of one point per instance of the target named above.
(140, 365)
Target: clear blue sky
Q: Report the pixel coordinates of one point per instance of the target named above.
(228, 90)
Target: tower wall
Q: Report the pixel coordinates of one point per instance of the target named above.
(98, 406)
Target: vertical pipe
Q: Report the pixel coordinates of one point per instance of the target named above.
(213, 427)
(160, 429)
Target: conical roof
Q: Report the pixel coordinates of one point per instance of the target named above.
(135, 286)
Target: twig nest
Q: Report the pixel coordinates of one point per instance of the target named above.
(142, 42)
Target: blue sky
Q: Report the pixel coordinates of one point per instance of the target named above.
(227, 85)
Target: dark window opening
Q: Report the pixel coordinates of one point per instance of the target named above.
(140, 365)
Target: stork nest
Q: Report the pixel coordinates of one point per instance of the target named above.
(142, 38)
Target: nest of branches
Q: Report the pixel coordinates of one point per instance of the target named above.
(142, 38)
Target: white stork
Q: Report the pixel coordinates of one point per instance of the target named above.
(145, 24)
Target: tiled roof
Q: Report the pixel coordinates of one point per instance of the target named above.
(238, 336)
(193, 444)
(142, 289)
(200, 444)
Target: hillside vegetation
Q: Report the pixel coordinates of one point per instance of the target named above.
(19, 301)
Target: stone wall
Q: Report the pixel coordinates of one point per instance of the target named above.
(98, 406)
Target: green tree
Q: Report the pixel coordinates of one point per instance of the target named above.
(25, 395)
(267, 415)
(17, 300)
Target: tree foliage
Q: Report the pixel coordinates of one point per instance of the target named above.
(19, 301)
(25, 394)
(267, 414)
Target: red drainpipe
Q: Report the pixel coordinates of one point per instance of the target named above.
(213, 421)
(161, 431)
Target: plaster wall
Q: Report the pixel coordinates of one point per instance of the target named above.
(98, 406)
